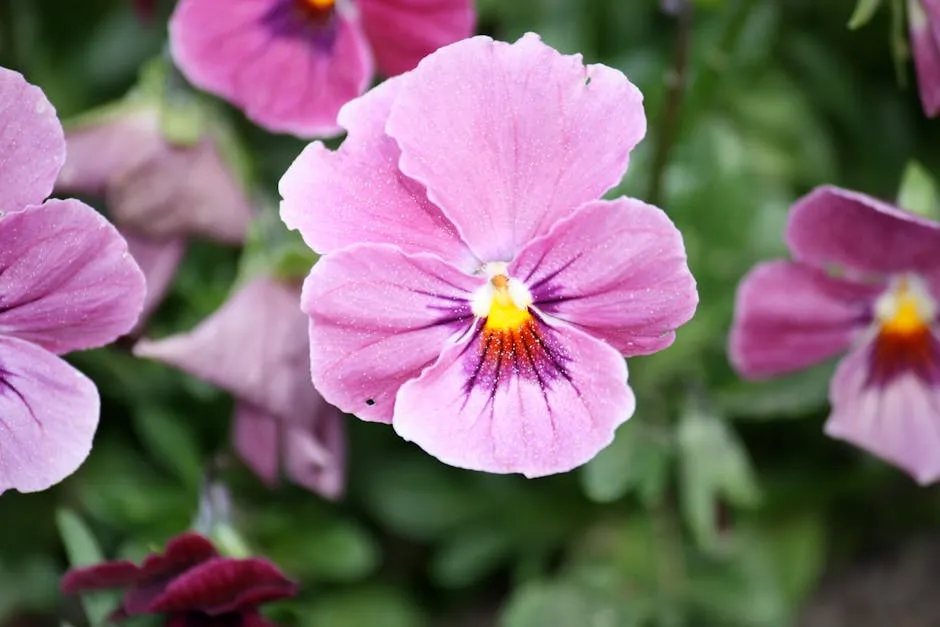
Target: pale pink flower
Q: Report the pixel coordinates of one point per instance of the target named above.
(474, 291)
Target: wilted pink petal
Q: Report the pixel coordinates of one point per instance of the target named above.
(31, 145)
(48, 417)
(357, 195)
(855, 232)
(617, 270)
(505, 162)
(403, 32)
(789, 316)
(378, 317)
(315, 451)
(924, 27)
(256, 435)
(66, 279)
(158, 260)
(546, 405)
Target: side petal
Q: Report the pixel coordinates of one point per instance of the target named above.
(535, 407)
(32, 145)
(377, 318)
(789, 316)
(286, 74)
(510, 138)
(405, 31)
(158, 260)
(926, 52)
(255, 437)
(616, 269)
(67, 281)
(833, 226)
(898, 421)
(48, 417)
(315, 451)
(99, 577)
(357, 195)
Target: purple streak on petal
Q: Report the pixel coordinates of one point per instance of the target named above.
(789, 316)
(528, 425)
(617, 270)
(66, 280)
(510, 138)
(32, 147)
(378, 317)
(899, 421)
(833, 226)
(48, 417)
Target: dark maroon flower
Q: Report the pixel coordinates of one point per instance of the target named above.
(190, 584)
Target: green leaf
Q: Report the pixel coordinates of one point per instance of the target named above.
(568, 603)
(471, 554)
(789, 396)
(170, 443)
(918, 193)
(360, 607)
(797, 550)
(82, 550)
(864, 11)
(637, 459)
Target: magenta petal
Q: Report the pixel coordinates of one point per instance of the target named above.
(268, 60)
(32, 147)
(403, 32)
(158, 260)
(357, 195)
(789, 316)
(378, 317)
(510, 138)
(616, 269)
(833, 226)
(552, 421)
(926, 51)
(255, 435)
(898, 421)
(315, 451)
(48, 417)
(99, 577)
(66, 280)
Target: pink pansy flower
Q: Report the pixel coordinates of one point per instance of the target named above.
(881, 307)
(66, 284)
(291, 64)
(924, 27)
(474, 291)
(255, 347)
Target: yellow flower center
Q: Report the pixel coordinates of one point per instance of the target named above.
(503, 302)
(906, 308)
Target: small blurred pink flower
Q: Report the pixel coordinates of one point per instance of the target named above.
(882, 308)
(291, 64)
(66, 284)
(924, 28)
(474, 291)
(158, 194)
(255, 347)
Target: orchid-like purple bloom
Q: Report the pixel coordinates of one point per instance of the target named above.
(474, 291)
(66, 284)
(291, 64)
(924, 28)
(255, 347)
(865, 279)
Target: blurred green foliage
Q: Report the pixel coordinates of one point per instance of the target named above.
(719, 504)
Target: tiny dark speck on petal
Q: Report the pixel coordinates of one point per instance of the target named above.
(370, 402)
(587, 81)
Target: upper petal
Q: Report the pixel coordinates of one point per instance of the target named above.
(253, 346)
(833, 226)
(510, 138)
(287, 75)
(357, 195)
(377, 318)
(66, 280)
(99, 577)
(32, 147)
(531, 406)
(789, 316)
(616, 269)
(898, 421)
(403, 32)
(48, 417)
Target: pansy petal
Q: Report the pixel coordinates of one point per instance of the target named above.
(158, 260)
(315, 451)
(48, 417)
(836, 227)
(32, 146)
(789, 316)
(542, 407)
(897, 420)
(357, 195)
(99, 577)
(510, 138)
(287, 74)
(255, 434)
(926, 52)
(378, 317)
(67, 281)
(403, 32)
(616, 269)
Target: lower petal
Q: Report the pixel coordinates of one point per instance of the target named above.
(897, 420)
(539, 407)
(255, 435)
(48, 416)
(315, 452)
